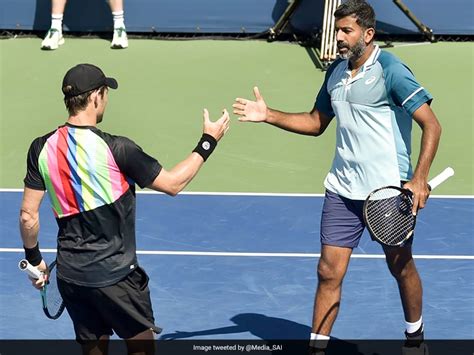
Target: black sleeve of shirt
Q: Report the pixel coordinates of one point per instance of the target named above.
(33, 178)
(134, 162)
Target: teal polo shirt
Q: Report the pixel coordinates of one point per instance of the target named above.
(374, 112)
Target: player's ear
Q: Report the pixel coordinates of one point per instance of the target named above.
(369, 35)
(94, 98)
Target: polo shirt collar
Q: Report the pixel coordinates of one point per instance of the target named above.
(372, 59)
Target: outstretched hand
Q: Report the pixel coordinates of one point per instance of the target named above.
(218, 128)
(251, 111)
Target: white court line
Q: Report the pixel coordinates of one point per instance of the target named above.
(209, 193)
(241, 254)
(269, 194)
(410, 44)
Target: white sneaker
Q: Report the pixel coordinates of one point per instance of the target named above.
(53, 39)
(120, 39)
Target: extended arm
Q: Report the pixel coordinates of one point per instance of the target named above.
(312, 123)
(308, 123)
(176, 179)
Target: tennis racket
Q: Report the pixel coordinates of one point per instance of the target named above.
(388, 212)
(53, 305)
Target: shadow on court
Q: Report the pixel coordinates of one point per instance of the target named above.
(259, 325)
(294, 335)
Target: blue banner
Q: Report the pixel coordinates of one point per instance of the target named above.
(229, 16)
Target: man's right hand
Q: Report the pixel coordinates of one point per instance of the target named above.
(219, 128)
(41, 281)
(251, 111)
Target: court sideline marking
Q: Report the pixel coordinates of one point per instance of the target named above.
(244, 254)
(269, 194)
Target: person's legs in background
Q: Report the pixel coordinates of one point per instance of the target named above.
(54, 37)
(120, 39)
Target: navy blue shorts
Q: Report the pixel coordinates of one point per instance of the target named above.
(342, 221)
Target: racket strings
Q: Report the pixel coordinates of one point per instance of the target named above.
(389, 216)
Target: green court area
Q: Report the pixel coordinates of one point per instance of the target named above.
(164, 86)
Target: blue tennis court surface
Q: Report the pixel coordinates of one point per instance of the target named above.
(244, 267)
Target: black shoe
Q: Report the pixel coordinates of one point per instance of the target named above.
(415, 344)
(414, 339)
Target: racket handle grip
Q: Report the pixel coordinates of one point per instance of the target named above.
(440, 178)
(31, 270)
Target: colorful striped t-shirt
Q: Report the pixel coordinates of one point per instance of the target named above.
(89, 176)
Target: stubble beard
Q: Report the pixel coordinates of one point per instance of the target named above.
(355, 52)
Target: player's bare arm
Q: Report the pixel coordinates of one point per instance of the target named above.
(29, 225)
(175, 180)
(312, 123)
(29, 216)
(431, 133)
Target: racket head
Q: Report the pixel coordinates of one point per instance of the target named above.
(388, 215)
(53, 305)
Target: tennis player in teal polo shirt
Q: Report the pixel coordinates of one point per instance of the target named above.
(375, 98)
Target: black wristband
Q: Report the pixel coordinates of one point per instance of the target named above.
(206, 146)
(33, 255)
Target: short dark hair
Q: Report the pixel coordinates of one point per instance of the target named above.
(78, 103)
(360, 9)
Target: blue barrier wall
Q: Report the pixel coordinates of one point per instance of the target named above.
(229, 16)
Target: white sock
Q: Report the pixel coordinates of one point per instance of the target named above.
(413, 327)
(57, 22)
(319, 341)
(118, 19)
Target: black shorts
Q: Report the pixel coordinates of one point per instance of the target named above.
(124, 308)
